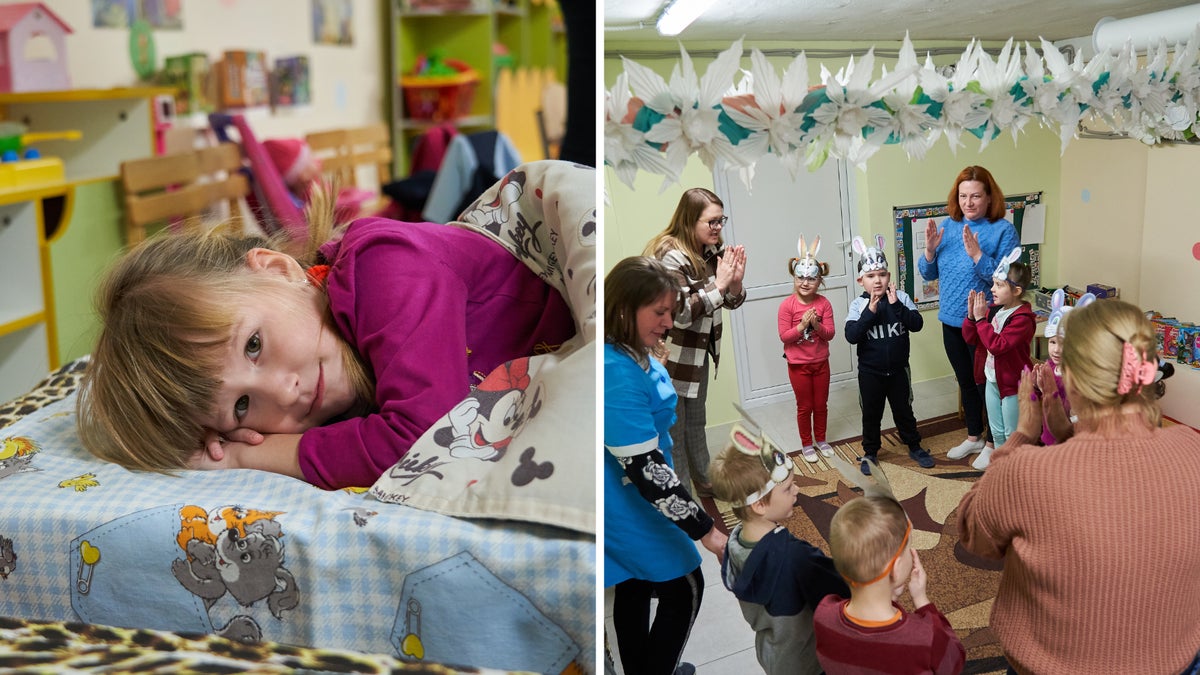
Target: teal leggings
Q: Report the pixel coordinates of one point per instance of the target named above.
(1002, 413)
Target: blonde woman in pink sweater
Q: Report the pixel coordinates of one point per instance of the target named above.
(1100, 535)
(806, 327)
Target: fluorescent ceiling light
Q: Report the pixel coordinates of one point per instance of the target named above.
(680, 14)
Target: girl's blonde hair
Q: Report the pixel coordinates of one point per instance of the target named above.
(166, 315)
(681, 232)
(1095, 336)
(864, 534)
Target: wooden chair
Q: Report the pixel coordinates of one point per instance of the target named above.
(343, 151)
(181, 187)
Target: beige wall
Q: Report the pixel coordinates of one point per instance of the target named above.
(348, 81)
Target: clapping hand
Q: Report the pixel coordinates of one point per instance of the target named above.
(891, 293)
(933, 237)
(971, 244)
(1029, 411)
(976, 305)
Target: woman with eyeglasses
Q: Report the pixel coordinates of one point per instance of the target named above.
(650, 518)
(710, 276)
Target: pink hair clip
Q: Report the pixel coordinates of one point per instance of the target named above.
(1134, 370)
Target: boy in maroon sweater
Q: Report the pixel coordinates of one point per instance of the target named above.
(869, 541)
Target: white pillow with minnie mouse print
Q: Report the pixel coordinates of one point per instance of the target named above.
(522, 445)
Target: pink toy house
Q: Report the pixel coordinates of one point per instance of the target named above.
(33, 49)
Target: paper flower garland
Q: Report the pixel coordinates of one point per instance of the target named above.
(655, 125)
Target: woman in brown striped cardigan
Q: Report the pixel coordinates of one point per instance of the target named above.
(710, 277)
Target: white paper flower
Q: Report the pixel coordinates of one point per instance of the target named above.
(625, 148)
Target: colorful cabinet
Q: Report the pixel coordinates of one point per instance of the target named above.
(37, 199)
(529, 31)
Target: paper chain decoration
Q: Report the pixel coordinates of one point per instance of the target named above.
(654, 125)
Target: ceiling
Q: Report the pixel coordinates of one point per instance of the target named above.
(879, 20)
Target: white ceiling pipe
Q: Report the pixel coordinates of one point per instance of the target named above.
(1173, 25)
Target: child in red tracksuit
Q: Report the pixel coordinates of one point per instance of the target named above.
(806, 327)
(1005, 330)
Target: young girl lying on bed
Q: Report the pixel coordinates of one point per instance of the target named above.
(218, 350)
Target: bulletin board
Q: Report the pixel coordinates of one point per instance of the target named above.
(910, 241)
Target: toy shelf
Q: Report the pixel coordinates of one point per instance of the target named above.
(30, 218)
(117, 124)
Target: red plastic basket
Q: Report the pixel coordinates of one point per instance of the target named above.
(439, 98)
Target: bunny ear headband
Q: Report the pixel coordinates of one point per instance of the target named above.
(753, 441)
(1001, 273)
(872, 258)
(1059, 309)
(806, 265)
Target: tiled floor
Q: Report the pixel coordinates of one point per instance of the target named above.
(721, 642)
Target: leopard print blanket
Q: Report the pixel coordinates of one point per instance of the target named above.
(57, 386)
(56, 647)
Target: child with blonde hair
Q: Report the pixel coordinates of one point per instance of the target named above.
(778, 579)
(870, 539)
(805, 328)
(219, 350)
(1004, 330)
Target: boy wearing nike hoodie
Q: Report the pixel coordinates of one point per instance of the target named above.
(879, 321)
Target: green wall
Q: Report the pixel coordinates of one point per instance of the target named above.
(94, 236)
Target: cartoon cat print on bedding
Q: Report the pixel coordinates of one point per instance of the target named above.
(16, 455)
(237, 551)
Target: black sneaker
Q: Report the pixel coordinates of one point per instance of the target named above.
(921, 456)
(865, 465)
(685, 668)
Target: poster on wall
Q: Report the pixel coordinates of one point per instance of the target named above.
(910, 224)
(159, 14)
(333, 22)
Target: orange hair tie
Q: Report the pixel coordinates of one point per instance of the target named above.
(891, 563)
(316, 274)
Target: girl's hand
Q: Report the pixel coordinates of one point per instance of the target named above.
(933, 237)
(917, 582)
(980, 309)
(810, 318)
(1044, 378)
(971, 243)
(891, 293)
(213, 441)
(1029, 411)
(227, 458)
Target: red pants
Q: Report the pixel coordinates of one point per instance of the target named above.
(810, 382)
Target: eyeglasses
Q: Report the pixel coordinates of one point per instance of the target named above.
(716, 223)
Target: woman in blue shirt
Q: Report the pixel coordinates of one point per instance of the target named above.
(650, 518)
(962, 253)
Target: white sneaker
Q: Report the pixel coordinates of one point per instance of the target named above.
(825, 448)
(809, 453)
(985, 457)
(967, 447)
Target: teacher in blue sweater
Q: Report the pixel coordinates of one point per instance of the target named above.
(962, 252)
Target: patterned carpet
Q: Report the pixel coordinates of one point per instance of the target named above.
(961, 584)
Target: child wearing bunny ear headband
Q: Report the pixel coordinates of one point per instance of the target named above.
(777, 578)
(1002, 334)
(878, 322)
(805, 322)
(1056, 409)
